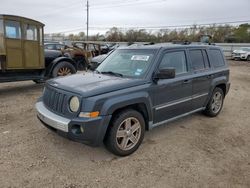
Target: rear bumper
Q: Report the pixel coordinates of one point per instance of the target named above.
(84, 130)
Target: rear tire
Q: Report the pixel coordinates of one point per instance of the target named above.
(125, 133)
(215, 103)
(63, 69)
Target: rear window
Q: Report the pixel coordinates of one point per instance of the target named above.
(217, 59)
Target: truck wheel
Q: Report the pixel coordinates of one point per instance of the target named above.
(62, 69)
(126, 133)
(215, 104)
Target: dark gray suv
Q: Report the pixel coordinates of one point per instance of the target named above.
(133, 90)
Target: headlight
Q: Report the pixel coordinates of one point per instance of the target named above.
(74, 104)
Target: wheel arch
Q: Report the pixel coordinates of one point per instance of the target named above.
(140, 103)
(56, 61)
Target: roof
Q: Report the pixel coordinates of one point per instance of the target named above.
(169, 46)
(19, 18)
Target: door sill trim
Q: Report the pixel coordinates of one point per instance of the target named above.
(174, 118)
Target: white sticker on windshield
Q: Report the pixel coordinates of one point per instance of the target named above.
(137, 73)
(140, 58)
(138, 70)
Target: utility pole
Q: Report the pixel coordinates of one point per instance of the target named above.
(87, 20)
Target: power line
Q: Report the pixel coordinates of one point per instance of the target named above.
(212, 25)
(128, 4)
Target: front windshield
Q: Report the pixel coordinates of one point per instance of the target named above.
(127, 63)
(245, 49)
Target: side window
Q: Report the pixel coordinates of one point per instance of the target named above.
(176, 60)
(197, 59)
(49, 47)
(1, 28)
(59, 46)
(217, 58)
(12, 29)
(30, 32)
(41, 35)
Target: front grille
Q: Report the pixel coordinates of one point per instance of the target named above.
(55, 100)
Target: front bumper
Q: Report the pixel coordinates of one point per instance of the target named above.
(239, 56)
(84, 130)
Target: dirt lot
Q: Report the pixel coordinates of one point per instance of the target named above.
(195, 151)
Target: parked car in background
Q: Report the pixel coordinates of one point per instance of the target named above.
(241, 54)
(96, 61)
(22, 54)
(133, 90)
(54, 46)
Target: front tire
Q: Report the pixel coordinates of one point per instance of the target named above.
(215, 103)
(63, 69)
(126, 133)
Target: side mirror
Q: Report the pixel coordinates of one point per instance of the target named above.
(165, 74)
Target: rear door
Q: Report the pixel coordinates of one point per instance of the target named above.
(173, 97)
(202, 77)
(31, 46)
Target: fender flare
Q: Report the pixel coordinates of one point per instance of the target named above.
(52, 65)
(115, 103)
(216, 82)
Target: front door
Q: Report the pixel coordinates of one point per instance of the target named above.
(173, 97)
(13, 44)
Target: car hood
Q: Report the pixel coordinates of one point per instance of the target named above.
(92, 84)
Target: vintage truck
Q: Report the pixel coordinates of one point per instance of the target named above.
(22, 54)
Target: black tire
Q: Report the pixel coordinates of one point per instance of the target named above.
(248, 58)
(63, 66)
(212, 110)
(112, 139)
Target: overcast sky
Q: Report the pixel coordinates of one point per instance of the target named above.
(70, 15)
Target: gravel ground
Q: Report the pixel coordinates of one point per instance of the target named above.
(195, 151)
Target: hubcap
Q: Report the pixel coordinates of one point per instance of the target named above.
(64, 71)
(217, 102)
(128, 134)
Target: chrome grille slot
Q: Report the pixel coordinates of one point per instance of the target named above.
(54, 100)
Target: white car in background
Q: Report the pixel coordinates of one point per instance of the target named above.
(242, 54)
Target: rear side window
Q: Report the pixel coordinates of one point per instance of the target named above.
(176, 60)
(217, 58)
(12, 29)
(197, 59)
(30, 32)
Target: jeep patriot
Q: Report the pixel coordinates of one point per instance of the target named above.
(134, 90)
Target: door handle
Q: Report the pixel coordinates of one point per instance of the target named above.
(209, 76)
(186, 81)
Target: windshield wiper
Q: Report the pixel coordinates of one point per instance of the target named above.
(112, 73)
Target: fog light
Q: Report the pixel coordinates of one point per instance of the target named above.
(82, 129)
